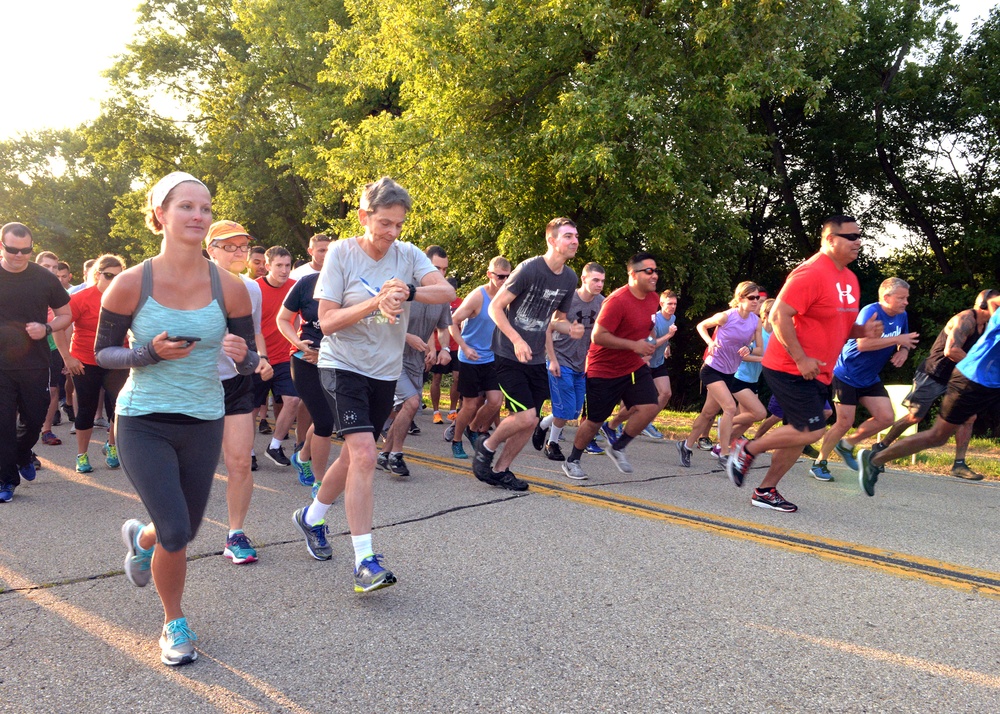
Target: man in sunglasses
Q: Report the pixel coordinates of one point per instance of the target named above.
(813, 316)
(617, 367)
(27, 291)
(856, 378)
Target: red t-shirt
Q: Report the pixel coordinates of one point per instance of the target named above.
(826, 299)
(625, 316)
(86, 309)
(279, 350)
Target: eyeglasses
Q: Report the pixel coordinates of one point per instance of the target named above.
(751, 297)
(108, 276)
(500, 276)
(647, 271)
(16, 251)
(230, 248)
(849, 236)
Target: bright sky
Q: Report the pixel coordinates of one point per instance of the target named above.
(56, 50)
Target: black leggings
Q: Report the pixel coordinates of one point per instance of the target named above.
(173, 471)
(305, 376)
(88, 392)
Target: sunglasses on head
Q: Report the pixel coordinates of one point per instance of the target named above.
(849, 236)
(17, 251)
(647, 271)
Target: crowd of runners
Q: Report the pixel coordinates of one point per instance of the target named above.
(187, 351)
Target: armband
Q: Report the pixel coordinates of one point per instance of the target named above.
(243, 327)
(413, 292)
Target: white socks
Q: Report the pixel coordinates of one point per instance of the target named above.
(362, 548)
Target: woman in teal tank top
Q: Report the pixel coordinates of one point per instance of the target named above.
(179, 311)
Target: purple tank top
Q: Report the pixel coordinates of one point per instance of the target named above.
(736, 333)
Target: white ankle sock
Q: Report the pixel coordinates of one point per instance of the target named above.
(546, 422)
(554, 434)
(362, 548)
(275, 443)
(316, 512)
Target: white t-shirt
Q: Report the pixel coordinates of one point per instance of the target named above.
(227, 368)
(302, 271)
(371, 347)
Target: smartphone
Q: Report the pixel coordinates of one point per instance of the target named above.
(180, 338)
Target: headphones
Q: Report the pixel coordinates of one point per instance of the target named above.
(984, 304)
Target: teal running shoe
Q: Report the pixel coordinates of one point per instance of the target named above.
(316, 489)
(458, 451)
(239, 550)
(83, 464)
(370, 575)
(110, 452)
(177, 643)
(305, 470)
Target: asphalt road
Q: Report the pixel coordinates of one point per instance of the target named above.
(663, 591)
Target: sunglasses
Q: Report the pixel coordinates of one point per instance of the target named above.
(18, 251)
(647, 271)
(230, 248)
(108, 276)
(751, 297)
(849, 236)
(501, 276)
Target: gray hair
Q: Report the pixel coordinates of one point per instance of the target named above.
(384, 193)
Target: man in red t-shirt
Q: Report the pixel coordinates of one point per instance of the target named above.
(813, 317)
(273, 288)
(616, 368)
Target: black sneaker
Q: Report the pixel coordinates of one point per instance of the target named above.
(553, 452)
(397, 466)
(414, 429)
(35, 462)
(770, 498)
(253, 462)
(57, 418)
(868, 472)
(538, 437)
(482, 464)
(382, 461)
(685, 453)
(960, 469)
(877, 447)
(509, 481)
(278, 456)
(810, 451)
(68, 411)
(264, 427)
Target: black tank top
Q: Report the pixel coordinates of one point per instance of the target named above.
(937, 365)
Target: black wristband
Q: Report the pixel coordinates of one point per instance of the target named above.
(413, 292)
(48, 329)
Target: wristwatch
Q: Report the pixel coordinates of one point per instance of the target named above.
(48, 329)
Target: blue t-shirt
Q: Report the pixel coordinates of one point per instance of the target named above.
(749, 372)
(982, 363)
(661, 325)
(861, 369)
(300, 299)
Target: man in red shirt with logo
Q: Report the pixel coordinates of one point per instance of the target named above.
(813, 316)
(616, 368)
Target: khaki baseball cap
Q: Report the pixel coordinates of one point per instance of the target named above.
(221, 230)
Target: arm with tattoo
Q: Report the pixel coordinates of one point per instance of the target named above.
(959, 329)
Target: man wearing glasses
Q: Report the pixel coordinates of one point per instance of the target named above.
(856, 377)
(538, 291)
(617, 367)
(27, 291)
(813, 316)
(228, 245)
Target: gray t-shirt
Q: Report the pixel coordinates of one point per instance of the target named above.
(539, 292)
(227, 368)
(573, 353)
(371, 347)
(424, 320)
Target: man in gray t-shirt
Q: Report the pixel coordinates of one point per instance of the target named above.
(538, 292)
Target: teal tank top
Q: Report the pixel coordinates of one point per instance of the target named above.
(188, 386)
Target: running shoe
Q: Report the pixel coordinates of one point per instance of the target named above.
(397, 467)
(83, 464)
(608, 432)
(594, 448)
(177, 643)
(652, 432)
(472, 436)
(553, 452)
(72, 428)
(458, 450)
(847, 454)
(277, 455)
(253, 462)
(370, 575)
(414, 429)
(264, 427)
(57, 418)
(810, 451)
(68, 411)
(6, 492)
(482, 464)
(50, 439)
(739, 462)
(573, 470)
(110, 452)
(509, 481)
(959, 470)
(452, 416)
(239, 550)
(382, 461)
(28, 472)
(879, 446)
(449, 432)
(315, 489)
(538, 436)
(770, 498)
(101, 423)
(868, 472)
(304, 469)
(717, 452)
(618, 457)
(136, 559)
(820, 471)
(704, 443)
(438, 419)
(35, 462)
(685, 453)
(316, 542)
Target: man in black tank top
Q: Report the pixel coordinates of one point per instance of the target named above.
(931, 380)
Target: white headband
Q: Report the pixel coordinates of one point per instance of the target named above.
(166, 184)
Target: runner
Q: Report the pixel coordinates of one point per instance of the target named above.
(228, 244)
(974, 387)
(538, 291)
(856, 377)
(567, 372)
(176, 309)
(735, 330)
(813, 317)
(27, 292)
(50, 261)
(616, 366)
(319, 245)
(362, 291)
(746, 381)
(472, 329)
(89, 378)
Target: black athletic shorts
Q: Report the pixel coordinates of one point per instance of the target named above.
(604, 393)
(801, 400)
(710, 375)
(660, 371)
(359, 403)
(474, 379)
(239, 394)
(844, 393)
(966, 398)
(56, 377)
(525, 386)
(739, 385)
